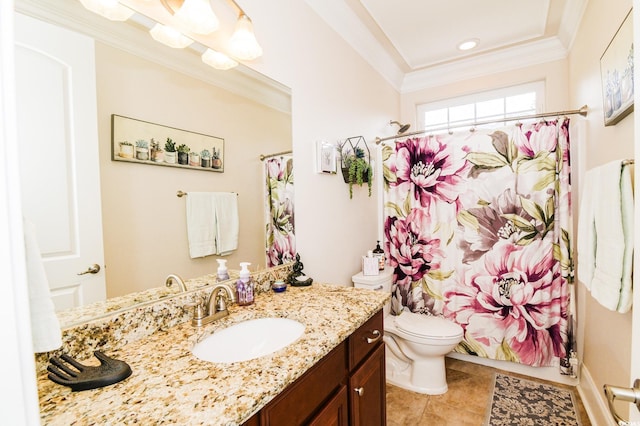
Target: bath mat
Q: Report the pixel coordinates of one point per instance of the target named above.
(516, 401)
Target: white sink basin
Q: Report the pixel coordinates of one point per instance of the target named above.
(248, 340)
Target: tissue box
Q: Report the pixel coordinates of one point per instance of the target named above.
(370, 265)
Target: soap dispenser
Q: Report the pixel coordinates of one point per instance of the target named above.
(379, 253)
(244, 286)
(223, 274)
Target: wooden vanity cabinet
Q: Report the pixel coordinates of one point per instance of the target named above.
(346, 387)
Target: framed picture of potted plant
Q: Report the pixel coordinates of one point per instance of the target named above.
(159, 145)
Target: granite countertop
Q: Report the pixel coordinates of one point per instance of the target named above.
(171, 386)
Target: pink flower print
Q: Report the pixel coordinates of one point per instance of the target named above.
(433, 169)
(413, 251)
(514, 298)
(536, 138)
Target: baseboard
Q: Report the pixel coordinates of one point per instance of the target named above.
(543, 373)
(593, 399)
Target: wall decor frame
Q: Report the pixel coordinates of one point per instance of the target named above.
(142, 142)
(616, 70)
(326, 155)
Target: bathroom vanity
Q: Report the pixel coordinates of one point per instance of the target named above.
(334, 373)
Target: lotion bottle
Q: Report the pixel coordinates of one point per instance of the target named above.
(244, 286)
(222, 274)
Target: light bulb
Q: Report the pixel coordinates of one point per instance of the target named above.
(218, 60)
(243, 44)
(169, 36)
(197, 16)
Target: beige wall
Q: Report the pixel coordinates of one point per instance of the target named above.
(336, 95)
(144, 221)
(606, 335)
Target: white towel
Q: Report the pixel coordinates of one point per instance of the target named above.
(45, 327)
(612, 236)
(586, 241)
(212, 223)
(226, 207)
(201, 224)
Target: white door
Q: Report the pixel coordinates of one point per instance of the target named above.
(59, 165)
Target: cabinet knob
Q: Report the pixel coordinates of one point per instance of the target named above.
(359, 391)
(376, 334)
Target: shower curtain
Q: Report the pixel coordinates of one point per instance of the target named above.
(280, 241)
(478, 230)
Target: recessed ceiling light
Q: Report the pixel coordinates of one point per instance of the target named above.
(468, 44)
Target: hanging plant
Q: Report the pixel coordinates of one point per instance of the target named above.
(355, 163)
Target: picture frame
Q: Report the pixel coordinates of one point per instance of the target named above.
(326, 157)
(616, 70)
(143, 142)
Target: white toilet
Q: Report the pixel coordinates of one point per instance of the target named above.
(416, 344)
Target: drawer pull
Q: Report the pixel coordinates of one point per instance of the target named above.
(359, 391)
(376, 337)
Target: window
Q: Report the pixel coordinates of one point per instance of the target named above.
(494, 105)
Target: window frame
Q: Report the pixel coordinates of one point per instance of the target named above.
(500, 93)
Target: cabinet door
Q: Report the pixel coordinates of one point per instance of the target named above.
(335, 412)
(367, 391)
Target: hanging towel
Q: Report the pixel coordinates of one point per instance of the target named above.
(227, 222)
(201, 224)
(612, 204)
(586, 241)
(212, 223)
(45, 327)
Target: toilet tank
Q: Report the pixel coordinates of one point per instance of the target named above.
(380, 282)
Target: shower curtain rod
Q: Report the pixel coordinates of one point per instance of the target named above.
(263, 156)
(582, 111)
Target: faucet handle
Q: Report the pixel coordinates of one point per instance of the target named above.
(221, 302)
(197, 304)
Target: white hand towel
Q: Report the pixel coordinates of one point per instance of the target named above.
(613, 254)
(627, 208)
(227, 221)
(45, 327)
(586, 241)
(201, 224)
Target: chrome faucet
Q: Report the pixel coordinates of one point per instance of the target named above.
(171, 278)
(215, 307)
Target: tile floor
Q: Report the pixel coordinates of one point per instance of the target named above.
(466, 403)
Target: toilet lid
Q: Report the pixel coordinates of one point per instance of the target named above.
(427, 326)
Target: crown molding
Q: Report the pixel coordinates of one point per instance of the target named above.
(571, 18)
(132, 37)
(348, 26)
(546, 50)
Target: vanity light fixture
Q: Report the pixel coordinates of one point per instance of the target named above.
(468, 44)
(110, 9)
(218, 60)
(195, 15)
(243, 44)
(169, 36)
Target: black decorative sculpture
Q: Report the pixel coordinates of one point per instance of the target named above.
(296, 277)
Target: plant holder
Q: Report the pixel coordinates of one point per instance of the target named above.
(355, 162)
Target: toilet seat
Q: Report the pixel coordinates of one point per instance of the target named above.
(431, 327)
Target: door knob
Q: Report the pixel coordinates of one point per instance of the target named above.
(359, 391)
(93, 269)
(614, 393)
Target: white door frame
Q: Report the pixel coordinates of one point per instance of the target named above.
(19, 406)
(634, 415)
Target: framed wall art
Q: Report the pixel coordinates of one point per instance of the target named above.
(138, 141)
(616, 69)
(326, 156)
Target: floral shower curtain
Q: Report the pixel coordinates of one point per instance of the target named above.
(280, 229)
(478, 230)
